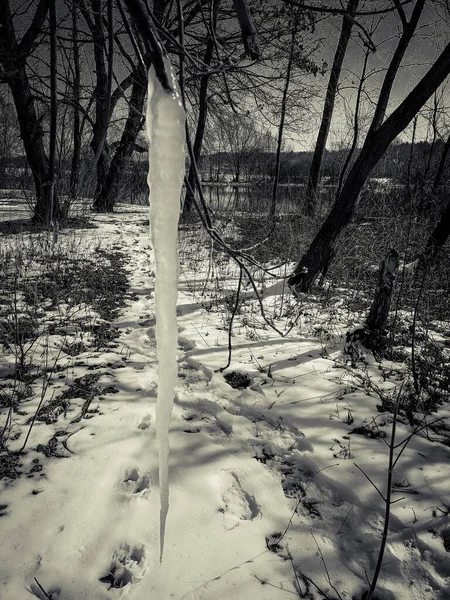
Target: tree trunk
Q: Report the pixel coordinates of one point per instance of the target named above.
(438, 237)
(75, 166)
(102, 91)
(32, 135)
(13, 55)
(376, 144)
(372, 335)
(50, 185)
(316, 165)
(249, 34)
(273, 204)
(106, 195)
(409, 28)
(202, 118)
(441, 166)
(379, 311)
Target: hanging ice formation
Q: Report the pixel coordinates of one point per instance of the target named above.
(166, 133)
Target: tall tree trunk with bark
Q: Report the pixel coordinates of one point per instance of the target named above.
(330, 97)
(202, 116)
(32, 135)
(377, 142)
(354, 144)
(438, 237)
(409, 27)
(13, 57)
(273, 204)
(76, 156)
(441, 166)
(106, 195)
(103, 59)
(50, 184)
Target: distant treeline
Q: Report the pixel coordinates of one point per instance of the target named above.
(420, 160)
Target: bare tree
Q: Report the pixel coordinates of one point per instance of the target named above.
(273, 204)
(94, 17)
(330, 97)
(49, 186)
(9, 143)
(76, 97)
(441, 166)
(376, 143)
(381, 134)
(438, 238)
(202, 109)
(14, 54)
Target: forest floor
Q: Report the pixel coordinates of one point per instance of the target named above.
(270, 460)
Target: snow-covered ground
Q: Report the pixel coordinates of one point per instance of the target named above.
(266, 498)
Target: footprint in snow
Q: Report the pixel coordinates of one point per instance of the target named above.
(128, 565)
(192, 372)
(236, 502)
(185, 344)
(136, 483)
(145, 423)
(209, 416)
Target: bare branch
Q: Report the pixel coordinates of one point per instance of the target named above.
(144, 23)
(342, 11)
(35, 29)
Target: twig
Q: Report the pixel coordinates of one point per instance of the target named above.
(69, 436)
(42, 589)
(343, 522)
(291, 560)
(328, 578)
(388, 502)
(230, 325)
(370, 481)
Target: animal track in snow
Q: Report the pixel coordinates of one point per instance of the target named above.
(193, 372)
(128, 565)
(136, 483)
(186, 344)
(145, 422)
(235, 501)
(210, 417)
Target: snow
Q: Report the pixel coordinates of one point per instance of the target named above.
(246, 465)
(166, 134)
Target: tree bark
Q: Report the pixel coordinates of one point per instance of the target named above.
(106, 195)
(249, 34)
(76, 156)
(273, 204)
(102, 90)
(32, 135)
(376, 144)
(409, 28)
(373, 335)
(441, 166)
(202, 117)
(379, 310)
(13, 56)
(316, 165)
(50, 184)
(438, 237)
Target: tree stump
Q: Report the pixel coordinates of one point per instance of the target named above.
(373, 335)
(379, 311)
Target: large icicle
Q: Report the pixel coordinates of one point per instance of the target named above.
(166, 133)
